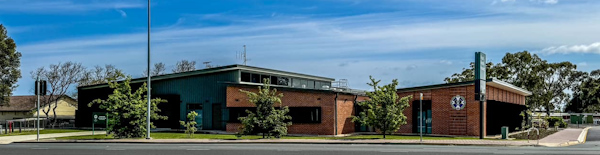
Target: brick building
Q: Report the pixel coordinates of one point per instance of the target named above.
(316, 105)
(214, 94)
(502, 108)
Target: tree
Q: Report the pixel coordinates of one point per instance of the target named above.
(383, 110)
(586, 95)
(61, 78)
(184, 66)
(10, 61)
(547, 81)
(101, 75)
(128, 109)
(267, 119)
(469, 74)
(159, 69)
(557, 78)
(190, 125)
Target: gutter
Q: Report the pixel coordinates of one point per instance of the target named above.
(336, 115)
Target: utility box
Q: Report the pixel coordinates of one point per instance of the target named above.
(504, 132)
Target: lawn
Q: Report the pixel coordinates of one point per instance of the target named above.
(162, 135)
(45, 131)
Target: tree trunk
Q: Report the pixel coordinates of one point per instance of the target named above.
(384, 135)
(54, 112)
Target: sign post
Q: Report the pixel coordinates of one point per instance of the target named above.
(99, 118)
(480, 80)
(421, 117)
(40, 89)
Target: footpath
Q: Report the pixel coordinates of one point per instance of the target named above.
(20, 138)
(564, 137)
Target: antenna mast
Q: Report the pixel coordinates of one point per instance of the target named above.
(242, 55)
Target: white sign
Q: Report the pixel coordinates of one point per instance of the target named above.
(458, 102)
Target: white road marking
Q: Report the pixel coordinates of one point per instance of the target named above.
(116, 149)
(39, 148)
(197, 149)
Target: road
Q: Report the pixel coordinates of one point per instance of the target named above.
(591, 147)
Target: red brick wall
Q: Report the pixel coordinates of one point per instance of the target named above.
(292, 98)
(447, 121)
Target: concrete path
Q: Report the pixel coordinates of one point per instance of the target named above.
(566, 137)
(11, 139)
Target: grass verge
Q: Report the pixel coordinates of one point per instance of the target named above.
(160, 135)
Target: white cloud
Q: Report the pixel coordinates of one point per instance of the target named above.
(566, 49)
(320, 46)
(65, 6)
(582, 64)
(123, 13)
(531, 1)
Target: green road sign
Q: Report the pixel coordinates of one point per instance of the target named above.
(100, 117)
(480, 76)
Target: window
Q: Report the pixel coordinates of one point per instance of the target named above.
(263, 77)
(274, 80)
(310, 84)
(246, 77)
(235, 113)
(305, 114)
(303, 84)
(283, 81)
(296, 83)
(255, 78)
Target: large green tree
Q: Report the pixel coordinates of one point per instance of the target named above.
(127, 109)
(383, 110)
(10, 61)
(586, 95)
(547, 81)
(267, 119)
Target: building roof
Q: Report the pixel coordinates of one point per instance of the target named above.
(490, 82)
(22, 103)
(347, 92)
(220, 69)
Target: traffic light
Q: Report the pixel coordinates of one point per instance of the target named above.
(43, 88)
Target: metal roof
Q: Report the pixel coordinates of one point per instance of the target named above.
(216, 70)
(490, 82)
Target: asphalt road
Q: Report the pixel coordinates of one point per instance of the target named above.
(591, 147)
(592, 139)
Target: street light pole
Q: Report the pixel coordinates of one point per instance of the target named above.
(148, 73)
(37, 80)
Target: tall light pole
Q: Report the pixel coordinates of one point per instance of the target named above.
(148, 116)
(37, 93)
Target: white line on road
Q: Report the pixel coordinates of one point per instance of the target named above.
(197, 149)
(39, 148)
(115, 149)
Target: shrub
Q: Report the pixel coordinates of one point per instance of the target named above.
(190, 125)
(556, 121)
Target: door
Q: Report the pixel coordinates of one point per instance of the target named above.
(217, 122)
(198, 109)
(425, 126)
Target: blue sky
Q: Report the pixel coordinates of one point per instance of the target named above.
(418, 42)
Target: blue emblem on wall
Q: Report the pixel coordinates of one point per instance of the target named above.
(458, 102)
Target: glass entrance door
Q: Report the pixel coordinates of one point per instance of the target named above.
(425, 124)
(198, 109)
